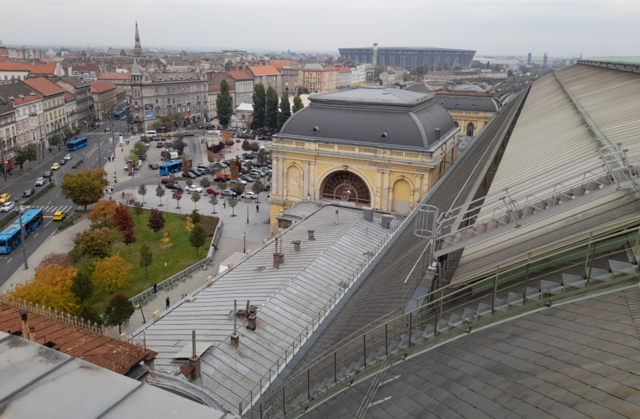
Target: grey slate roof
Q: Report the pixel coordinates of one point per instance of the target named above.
(580, 360)
(409, 119)
(420, 88)
(41, 382)
(468, 103)
(6, 108)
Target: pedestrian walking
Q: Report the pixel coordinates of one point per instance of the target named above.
(168, 303)
(155, 288)
(224, 204)
(122, 195)
(257, 208)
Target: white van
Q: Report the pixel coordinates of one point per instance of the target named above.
(148, 133)
(174, 155)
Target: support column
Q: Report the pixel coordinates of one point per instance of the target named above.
(377, 193)
(305, 181)
(386, 190)
(313, 180)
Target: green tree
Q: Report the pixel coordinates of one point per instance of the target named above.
(142, 190)
(146, 259)
(245, 145)
(509, 73)
(195, 217)
(195, 197)
(285, 109)
(302, 91)
(137, 209)
(297, 104)
(272, 108)
(259, 106)
(118, 311)
(258, 187)
(138, 149)
(55, 140)
(224, 104)
(262, 156)
(88, 314)
(160, 193)
(82, 287)
(95, 243)
(214, 201)
(233, 201)
(205, 182)
(197, 237)
(84, 188)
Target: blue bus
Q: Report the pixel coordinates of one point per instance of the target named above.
(121, 114)
(76, 144)
(173, 166)
(10, 238)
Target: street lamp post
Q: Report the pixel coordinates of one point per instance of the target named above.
(4, 168)
(24, 236)
(244, 241)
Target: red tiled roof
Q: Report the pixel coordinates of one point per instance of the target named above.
(42, 69)
(68, 96)
(85, 68)
(240, 75)
(27, 99)
(114, 76)
(95, 348)
(43, 86)
(3, 58)
(263, 70)
(214, 88)
(102, 86)
(13, 67)
(278, 66)
(344, 70)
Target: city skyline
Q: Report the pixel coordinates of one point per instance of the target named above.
(491, 28)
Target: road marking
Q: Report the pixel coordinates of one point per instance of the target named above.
(48, 223)
(35, 235)
(9, 260)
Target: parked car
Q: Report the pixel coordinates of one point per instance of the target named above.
(246, 178)
(63, 162)
(212, 191)
(248, 195)
(40, 181)
(68, 157)
(7, 206)
(59, 216)
(28, 193)
(153, 166)
(195, 172)
(242, 181)
(193, 188)
(166, 180)
(227, 192)
(173, 186)
(188, 175)
(200, 171)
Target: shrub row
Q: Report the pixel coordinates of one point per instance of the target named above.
(40, 194)
(75, 166)
(11, 217)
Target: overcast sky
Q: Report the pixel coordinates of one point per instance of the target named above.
(558, 27)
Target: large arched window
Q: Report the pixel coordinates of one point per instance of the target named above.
(347, 187)
(470, 129)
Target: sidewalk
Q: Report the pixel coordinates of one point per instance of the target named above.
(59, 242)
(115, 168)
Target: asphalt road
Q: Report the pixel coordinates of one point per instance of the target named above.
(94, 154)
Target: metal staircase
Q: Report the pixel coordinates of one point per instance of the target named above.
(599, 265)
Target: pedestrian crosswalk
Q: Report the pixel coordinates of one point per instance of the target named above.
(51, 209)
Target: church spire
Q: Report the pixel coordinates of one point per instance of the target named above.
(137, 49)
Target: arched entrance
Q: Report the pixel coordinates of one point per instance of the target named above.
(401, 196)
(470, 129)
(347, 187)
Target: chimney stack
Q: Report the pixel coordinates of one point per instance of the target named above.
(296, 245)
(312, 236)
(32, 333)
(251, 316)
(25, 324)
(235, 338)
(194, 361)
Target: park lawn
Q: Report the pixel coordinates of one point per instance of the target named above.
(178, 257)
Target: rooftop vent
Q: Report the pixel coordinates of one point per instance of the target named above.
(33, 94)
(315, 130)
(384, 136)
(21, 96)
(160, 78)
(11, 98)
(385, 93)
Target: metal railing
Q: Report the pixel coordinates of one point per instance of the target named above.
(168, 284)
(593, 266)
(536, 194)
(264, 383)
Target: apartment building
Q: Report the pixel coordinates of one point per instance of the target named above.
(29, 112)
(55, 117)
(267, 75)
(318, 78)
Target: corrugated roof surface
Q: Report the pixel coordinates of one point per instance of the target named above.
(263, 70)
(462, 102)
(550, 133)
(288, 298)
(38, 382)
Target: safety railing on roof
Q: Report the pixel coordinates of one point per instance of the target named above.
(264, 383)
(601, 264)
(581, 178)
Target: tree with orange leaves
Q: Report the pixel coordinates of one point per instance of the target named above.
(103, 211)
(113, 273)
